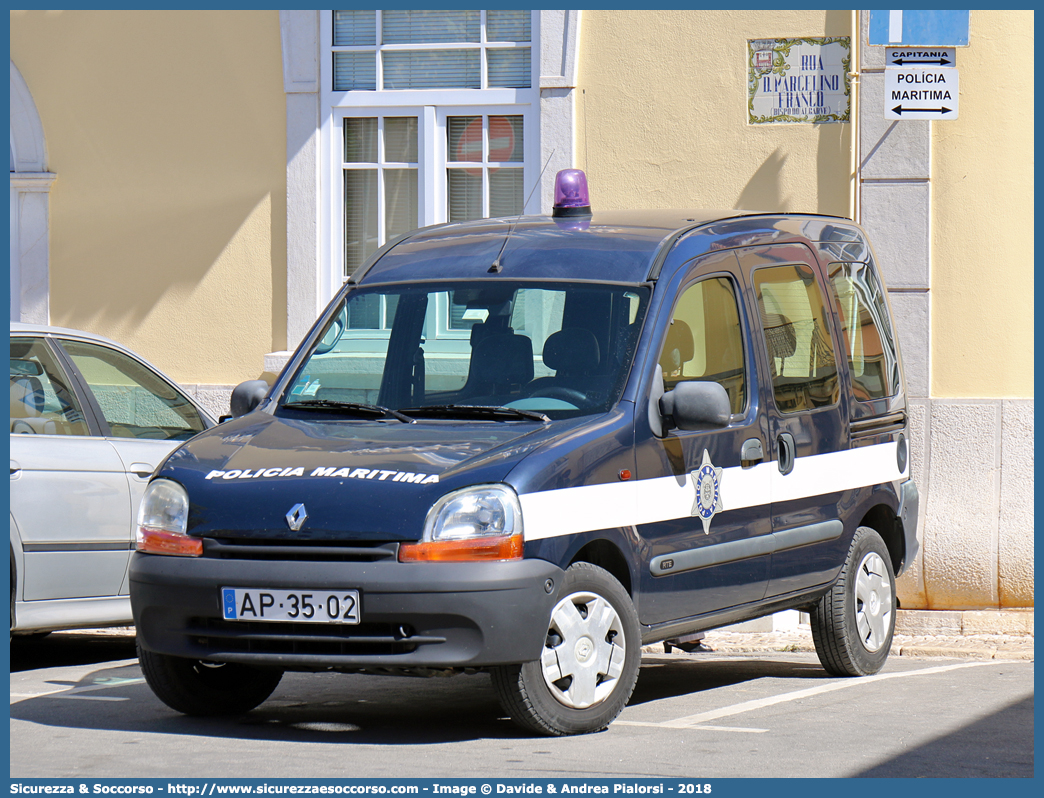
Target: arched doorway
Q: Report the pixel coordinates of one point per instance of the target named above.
(30, 187)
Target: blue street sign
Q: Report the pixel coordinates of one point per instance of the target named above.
(920, 28)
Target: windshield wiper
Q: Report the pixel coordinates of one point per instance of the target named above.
(351, 407)
(476, 411)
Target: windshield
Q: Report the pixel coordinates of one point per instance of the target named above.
(557, 349)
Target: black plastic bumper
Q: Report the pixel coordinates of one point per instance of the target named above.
(909, 506)
(414, 615)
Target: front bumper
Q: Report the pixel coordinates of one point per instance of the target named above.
(414, 615)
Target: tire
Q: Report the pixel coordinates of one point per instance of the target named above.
(853, 624)
(196, 687)
(589, 664)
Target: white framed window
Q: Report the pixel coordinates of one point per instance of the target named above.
(427, 117)
(431, 49)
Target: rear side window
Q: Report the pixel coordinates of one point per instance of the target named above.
(867, 331)
(41, 402)
(801, 354)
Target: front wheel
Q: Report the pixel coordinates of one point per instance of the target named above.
(852, 625)
(198, 687)
(589, 664)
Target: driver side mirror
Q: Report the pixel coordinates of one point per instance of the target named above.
(246, 396)
(693, 404)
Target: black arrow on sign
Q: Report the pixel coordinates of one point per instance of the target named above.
(899, 110)
(939, 61)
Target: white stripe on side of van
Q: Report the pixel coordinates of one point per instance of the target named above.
(569, 511)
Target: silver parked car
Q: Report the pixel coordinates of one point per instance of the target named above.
(90, 421)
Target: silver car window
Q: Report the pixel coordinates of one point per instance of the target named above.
(41, 402)
(135, 401)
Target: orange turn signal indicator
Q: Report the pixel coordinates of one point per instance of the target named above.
(156, 541)
(491, 549)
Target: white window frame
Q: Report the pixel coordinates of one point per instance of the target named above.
(431, 107)
(307, 108)
(483, 46)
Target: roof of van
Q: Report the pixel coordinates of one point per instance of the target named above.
(616, 246)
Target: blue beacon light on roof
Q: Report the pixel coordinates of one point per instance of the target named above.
(571, 195)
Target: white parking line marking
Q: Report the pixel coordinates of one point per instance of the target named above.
(697, 728)
(94, 697)
(749, 706)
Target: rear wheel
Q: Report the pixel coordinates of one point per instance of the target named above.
(853, 624)
(589, 664)
(198, 687)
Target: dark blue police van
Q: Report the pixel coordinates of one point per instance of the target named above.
(530, 447)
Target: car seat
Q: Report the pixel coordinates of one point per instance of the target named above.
(27, 405)
(501, 363)
(574, 354)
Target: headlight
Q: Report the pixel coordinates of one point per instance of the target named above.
(163, 521)
(483, 522)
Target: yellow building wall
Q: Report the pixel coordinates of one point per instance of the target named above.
(982, 202)
(166, 130)
(664, 96)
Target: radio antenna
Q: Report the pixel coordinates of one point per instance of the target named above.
(496, 267)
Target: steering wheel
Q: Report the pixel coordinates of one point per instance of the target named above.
(22, 427)
(571, 395)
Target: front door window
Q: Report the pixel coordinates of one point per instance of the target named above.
(133, 400)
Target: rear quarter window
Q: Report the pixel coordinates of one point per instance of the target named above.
(866, 330)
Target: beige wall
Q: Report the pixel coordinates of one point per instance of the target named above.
(982, 200)
(167, 132)
(662, 115)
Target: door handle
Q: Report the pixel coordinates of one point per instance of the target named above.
(142, 470)
(787, 449)
(751, 452)
(16, 468)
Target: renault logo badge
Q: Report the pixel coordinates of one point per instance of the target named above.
(296, 517)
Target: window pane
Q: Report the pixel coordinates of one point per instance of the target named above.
(705, 341)
(356, 71)
(464, 138)
(360, 217)
(400, 192)
(505, 139)
(432, 69)
(41, 404)
(427, 27)
(801, 353)
(465, 194)
(508, 26)
(365, 313)
(505, 192)
(135, 402)
(354, 28)
(400, 139)
(870, 349)
(348, 363)
(360, 140)
(525, 342)
(509, 69)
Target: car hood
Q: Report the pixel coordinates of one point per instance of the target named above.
(357, 479)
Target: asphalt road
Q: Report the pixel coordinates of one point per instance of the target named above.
(80, 708)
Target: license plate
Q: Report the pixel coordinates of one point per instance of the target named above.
(314, 606)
